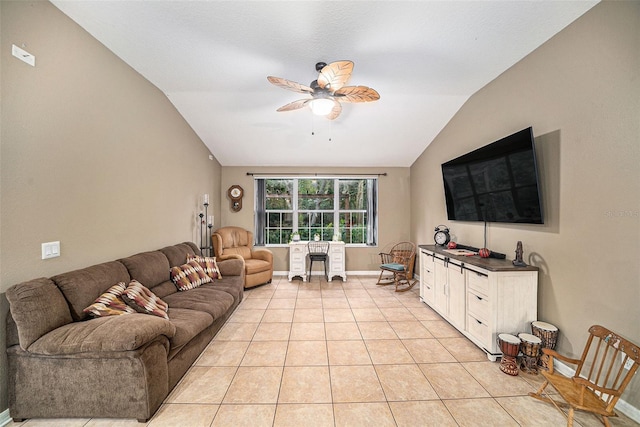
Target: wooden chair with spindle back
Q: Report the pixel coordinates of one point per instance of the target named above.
(605, 369)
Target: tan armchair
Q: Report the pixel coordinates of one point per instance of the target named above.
(236, 242)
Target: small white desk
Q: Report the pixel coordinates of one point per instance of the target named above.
(298, 260)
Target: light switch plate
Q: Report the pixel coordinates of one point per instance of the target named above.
(50, 250)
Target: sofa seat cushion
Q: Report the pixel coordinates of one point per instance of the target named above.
(233, 286)
(254, 265)
(104, 334)
(209, 300)
(188, 323)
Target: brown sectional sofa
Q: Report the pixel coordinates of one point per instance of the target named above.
(63, 364)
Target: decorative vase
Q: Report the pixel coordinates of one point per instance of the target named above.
(484, 253)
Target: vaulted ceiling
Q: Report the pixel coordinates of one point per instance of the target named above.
(425, 58)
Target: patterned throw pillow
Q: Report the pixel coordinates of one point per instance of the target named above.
(189, 276)
(110, 303)
(209, 265)
(142, 300)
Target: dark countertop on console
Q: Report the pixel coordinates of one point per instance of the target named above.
(490, 264)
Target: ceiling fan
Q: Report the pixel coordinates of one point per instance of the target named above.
(328, 91)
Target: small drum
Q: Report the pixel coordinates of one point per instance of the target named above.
(546, 332)
(530, 347)
(510, 347)
(549, 336)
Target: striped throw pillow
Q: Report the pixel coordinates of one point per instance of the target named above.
(110, 303)
(142, 300)
(189, 276)
(208, 264)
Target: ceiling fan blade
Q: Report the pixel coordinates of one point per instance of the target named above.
(335, 75)
(335, 111)
(294, 105)
(289, 85)
(356, 94)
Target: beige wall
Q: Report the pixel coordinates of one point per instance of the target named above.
(393, 209)
(581, 93)
(95, 156)
(91, 154)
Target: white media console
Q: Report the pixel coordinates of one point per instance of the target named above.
(481, 297)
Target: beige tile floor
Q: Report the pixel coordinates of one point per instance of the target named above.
(345, 354)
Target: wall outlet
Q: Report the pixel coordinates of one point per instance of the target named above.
(23, 55)
(628, 364)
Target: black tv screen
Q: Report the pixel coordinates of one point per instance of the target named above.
(495, 183)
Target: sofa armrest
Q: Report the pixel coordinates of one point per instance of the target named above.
(232, 266)
(105, 334)
(263, 254)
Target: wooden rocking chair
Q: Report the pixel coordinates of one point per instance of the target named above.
(601, 375)
(399, 262)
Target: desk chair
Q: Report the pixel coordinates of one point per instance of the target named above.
(318, 251)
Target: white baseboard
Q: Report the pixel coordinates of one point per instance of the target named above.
(622, 406)
(320, 273)
(5, 418)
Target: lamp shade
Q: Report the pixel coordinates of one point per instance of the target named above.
(321, 106)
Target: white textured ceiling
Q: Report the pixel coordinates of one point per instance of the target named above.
(425, 58)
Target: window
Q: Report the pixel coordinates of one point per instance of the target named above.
(318, 205)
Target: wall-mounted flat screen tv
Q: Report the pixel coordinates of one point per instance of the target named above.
(495, 183)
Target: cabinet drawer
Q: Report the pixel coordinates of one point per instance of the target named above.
(297, 266)
(479, 330)
(478, 282)
(297, 249)
(427, 274)
(478, 305)
(337, 257)
(297, 257)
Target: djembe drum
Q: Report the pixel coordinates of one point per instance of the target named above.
(548, 333)
(530, 346)
(510, 347)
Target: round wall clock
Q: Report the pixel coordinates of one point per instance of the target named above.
(235, 193)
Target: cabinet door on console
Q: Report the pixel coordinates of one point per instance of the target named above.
(427, 275)
(457, 296)
(440, 300)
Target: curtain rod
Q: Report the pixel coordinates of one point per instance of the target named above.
(314, 174)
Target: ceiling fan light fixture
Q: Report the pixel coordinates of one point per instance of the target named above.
(328, 91)
(321, 106)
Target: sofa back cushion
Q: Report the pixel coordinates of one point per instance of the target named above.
(82, 287)
(152, 270)
(177, 254)
(37, 308)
